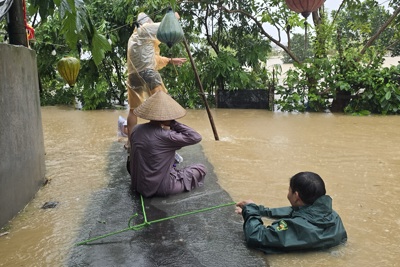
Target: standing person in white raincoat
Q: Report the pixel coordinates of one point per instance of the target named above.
(144, 61)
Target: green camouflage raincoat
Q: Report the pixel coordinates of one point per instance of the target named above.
(309, 227)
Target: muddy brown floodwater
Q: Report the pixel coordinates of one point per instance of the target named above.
(258, 151)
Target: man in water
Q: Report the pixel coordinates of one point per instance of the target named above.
(309, 223)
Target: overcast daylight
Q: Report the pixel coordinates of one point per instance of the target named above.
(330, 5)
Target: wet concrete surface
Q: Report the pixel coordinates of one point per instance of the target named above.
(208, 238)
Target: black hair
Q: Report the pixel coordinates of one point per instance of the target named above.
(309, 186)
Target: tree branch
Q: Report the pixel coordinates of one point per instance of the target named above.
(378, 33)
(264, 32)
(338, 11)
(208, 35)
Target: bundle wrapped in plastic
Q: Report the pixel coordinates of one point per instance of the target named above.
(122, 127)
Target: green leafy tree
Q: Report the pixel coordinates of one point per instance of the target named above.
(227, 57)
(100, 83)
(364, 35)
(320, 77)
(299, 47)
(228, 42)
(228, 48)
(76, 24)
(68, 27)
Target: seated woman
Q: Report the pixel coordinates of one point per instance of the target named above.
(153, 149)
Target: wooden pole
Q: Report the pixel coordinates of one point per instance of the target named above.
(271, 92)
(201, 93)
(16, 24)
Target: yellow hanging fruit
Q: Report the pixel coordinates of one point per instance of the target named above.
(68, 67)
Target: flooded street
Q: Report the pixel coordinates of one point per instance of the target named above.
(258, 151)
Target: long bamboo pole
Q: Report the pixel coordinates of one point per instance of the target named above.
(201, 93)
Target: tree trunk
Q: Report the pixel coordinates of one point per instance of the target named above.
(341, 100)
(16, 25)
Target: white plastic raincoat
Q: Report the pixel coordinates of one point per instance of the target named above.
(144, 61)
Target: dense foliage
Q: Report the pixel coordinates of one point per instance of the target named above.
(352, 75)
(341, 69)
(299, 47)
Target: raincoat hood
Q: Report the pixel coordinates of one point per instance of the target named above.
(320, 213)
(144, 18)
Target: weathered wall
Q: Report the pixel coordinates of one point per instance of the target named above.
(22, 155)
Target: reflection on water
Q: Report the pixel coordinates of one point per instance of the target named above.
(258, 151)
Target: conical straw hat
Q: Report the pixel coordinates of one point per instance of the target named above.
(160, 107)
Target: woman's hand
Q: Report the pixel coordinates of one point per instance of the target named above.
(166, 125)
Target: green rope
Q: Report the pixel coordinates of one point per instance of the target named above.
(192, 212)
(146, 223)
(143, 210)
